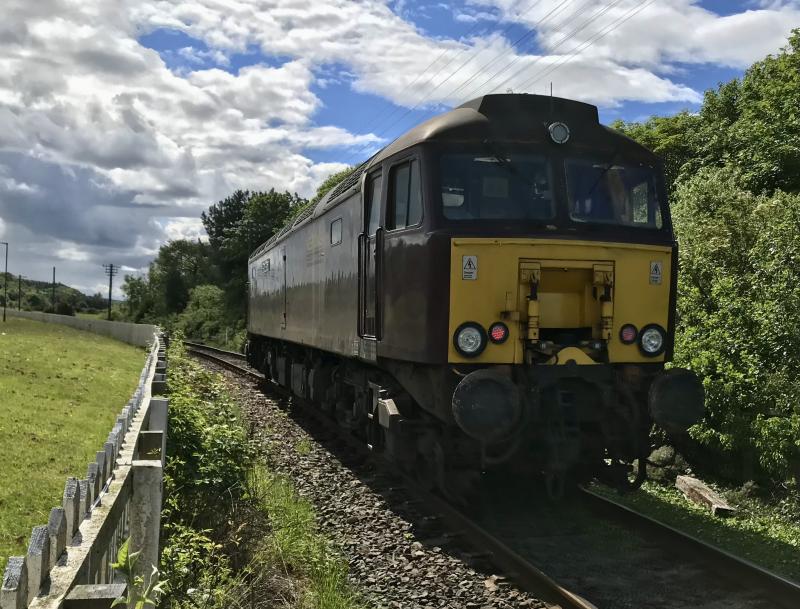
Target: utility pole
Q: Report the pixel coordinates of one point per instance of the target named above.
(5, 283)
(111, 270)
(53, 292)
(19, 292)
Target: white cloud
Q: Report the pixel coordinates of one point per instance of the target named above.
(71, 252)
(662, 32)
(386, 53)
(184, 228)
(99, 138)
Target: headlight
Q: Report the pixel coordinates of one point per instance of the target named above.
(652, 340)
(469, 339)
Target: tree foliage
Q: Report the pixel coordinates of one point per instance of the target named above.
(331, 181)
(734, 171)
(738, 314)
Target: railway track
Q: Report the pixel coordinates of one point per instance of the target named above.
(582, 567)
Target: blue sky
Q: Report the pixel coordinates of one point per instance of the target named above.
(121, 122)
(354, 110)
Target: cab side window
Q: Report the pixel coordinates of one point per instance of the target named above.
(374, 204)
(405, 199)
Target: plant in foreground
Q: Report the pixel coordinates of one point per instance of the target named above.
(140, 593)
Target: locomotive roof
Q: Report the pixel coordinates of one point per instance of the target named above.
(508, 118)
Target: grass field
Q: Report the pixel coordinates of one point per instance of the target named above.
(60, 392)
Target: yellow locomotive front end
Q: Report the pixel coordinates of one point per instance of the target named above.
(562, 345)
(596, 295)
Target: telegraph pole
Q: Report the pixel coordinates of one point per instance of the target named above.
(19, 292)
(53, 292)
(5, 283)
(111, 270)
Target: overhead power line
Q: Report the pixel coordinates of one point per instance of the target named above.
(472, 56)
(457, 70)
(527, 35)
(566, 38)
(371, 121)
(630, 14)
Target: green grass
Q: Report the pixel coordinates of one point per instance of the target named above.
(296, 544)
(763, 530)
(60, 393)
(303, 446)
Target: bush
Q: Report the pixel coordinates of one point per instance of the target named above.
(234, 535)
(205, 319)
(738, 319)
(64, 308)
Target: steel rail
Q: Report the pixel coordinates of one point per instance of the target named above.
(784, 592)
(746, 573)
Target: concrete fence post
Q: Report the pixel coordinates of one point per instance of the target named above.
(145, 514)
(159, 408)
(57, 530)
(111, 456)
(93, 477)
(14, 593)
(38, 560)
(86, 498)
(115, 437)
(73, 505)
(102, 468)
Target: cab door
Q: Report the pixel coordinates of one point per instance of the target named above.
(369, 252)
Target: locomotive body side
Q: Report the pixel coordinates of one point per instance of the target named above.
(303, 289)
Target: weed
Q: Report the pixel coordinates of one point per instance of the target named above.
(235, 535)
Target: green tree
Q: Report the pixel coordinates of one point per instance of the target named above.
(673, 138)
(331, 181)
(224, 216)
(203, 317)
(750, 124)
(240, 223)
(738, 316)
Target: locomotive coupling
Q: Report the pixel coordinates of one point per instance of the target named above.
(676, 400)
(487, 406)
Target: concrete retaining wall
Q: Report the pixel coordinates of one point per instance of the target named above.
(140, 335)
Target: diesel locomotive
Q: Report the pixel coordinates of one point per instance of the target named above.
(494, 290)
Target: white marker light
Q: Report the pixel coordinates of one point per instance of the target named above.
(470, 339)
(652, 340)
(559, 132)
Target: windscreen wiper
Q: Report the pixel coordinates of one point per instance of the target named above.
(506, 164)
(604, 172)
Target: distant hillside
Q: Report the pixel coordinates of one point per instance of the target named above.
(37, 296)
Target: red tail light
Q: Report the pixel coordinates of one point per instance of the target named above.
(498, 332)
(628, 333)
